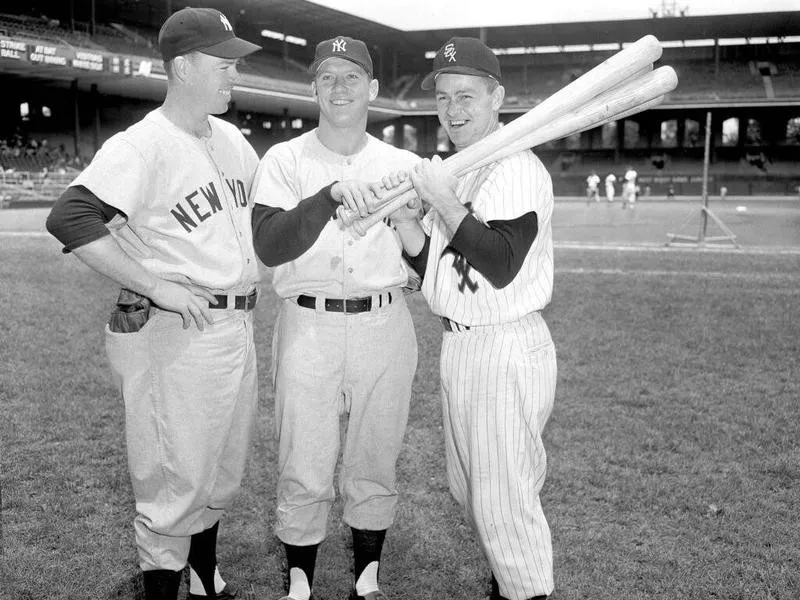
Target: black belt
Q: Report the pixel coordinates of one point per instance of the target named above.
(347, 305)
(239, 303)
(453, 326)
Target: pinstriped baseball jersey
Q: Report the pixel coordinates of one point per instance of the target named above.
(499, 375)
(338, 264)
(185, 200)
(502, 190)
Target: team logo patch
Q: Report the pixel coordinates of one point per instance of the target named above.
(461, 266)
(339, 45)
(450, 52)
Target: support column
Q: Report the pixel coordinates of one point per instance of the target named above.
(399, 125)
(76, 129)
(95, 96)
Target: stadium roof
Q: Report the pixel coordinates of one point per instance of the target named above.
(392, 48)
(315, 23)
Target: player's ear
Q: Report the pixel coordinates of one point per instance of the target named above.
(498, 95)
(180, 67)
(373, 89)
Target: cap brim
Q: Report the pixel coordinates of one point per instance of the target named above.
(312, 68)
(429, 82)
(231, 48)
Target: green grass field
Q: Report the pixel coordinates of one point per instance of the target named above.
(674, 462)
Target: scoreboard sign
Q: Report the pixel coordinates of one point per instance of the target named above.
(13, 49)
(59, 55)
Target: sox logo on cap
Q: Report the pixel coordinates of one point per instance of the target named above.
(450, 52)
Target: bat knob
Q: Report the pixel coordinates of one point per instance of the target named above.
(345, 216)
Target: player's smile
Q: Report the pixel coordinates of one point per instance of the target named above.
(465, 105)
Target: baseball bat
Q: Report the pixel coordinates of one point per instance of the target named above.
(609, 73)
(634, 96)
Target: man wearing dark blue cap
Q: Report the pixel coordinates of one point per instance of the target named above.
(164, 210)
(344, 340)
(485, 252)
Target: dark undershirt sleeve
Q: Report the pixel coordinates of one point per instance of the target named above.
(420, 261)
(498, 249)
(79, 217)
(280, 236)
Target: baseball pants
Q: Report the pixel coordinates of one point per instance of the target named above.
(328, 364)
(498, 387)
(190, 399)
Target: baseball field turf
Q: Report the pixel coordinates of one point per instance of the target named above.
(673, 448)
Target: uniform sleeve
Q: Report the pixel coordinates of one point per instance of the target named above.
(280, 235)
(118, 176)
(513, 203)
(498, 249)
(517, 185)
(78, 218)
(276, 182)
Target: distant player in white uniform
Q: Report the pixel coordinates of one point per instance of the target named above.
(173, 190)
(611, 179)
(592, 187)
(486, 252)
(344, 340)
(629, 189)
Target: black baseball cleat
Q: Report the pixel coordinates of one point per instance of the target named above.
(378, 595)
(229, 592)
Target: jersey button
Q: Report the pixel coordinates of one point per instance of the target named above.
(350, 243)
(350, 270)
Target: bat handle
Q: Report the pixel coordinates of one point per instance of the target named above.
(361, 226)
(348, 217)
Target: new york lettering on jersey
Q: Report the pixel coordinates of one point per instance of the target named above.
(199, 210)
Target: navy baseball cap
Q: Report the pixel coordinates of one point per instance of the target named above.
(205, 30)
(464, 55)
(342, 47)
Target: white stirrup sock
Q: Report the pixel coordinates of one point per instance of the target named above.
(196, 586)
(368, 581)
(298, 585)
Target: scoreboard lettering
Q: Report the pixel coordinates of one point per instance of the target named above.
(76, 58)
(13, 49)
(48, 55)
(91, 61)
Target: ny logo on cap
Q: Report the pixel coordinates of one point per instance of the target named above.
(450, 52)
(225, 23)
(340, 45)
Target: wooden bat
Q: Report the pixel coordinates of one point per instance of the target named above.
(634, 96)
(611, 72)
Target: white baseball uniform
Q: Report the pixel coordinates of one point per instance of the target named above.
(498, 374)
(610, 181)
(592, 184)
(189, 395)
(629, 188)
(327, 362)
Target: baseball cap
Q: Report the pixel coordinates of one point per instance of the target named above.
(465, 55)
(342, 47)
(203, 29)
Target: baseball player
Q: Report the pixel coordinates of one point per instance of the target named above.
(344, 342)
(629, 189)
(611, 179)
(164, 209)
(486, 254)
(592, 185)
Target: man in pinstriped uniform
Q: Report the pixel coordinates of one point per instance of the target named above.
(486, 255)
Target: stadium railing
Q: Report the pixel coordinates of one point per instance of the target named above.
(20, 188)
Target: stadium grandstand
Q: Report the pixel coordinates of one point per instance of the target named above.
(74, 73)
